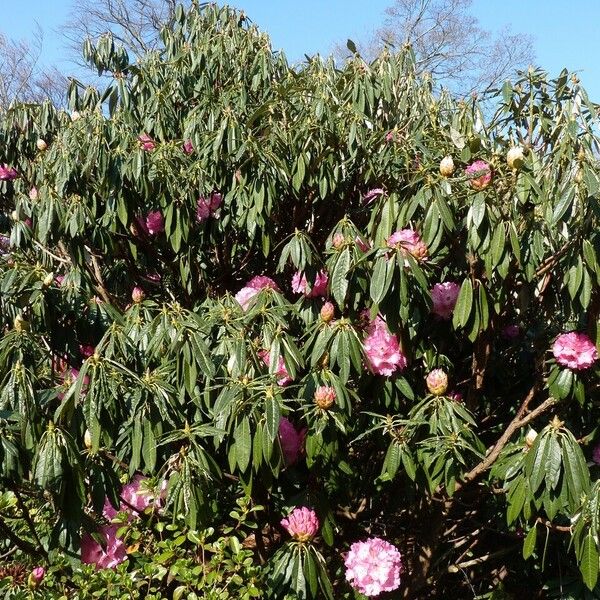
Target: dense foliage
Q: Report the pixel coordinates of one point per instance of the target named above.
(231, 288)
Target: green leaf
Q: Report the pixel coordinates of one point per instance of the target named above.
(464, 304)
(339, 283)
(589, 562)
(381, 278)
(273, 415)
(243, 443)
(529, 542)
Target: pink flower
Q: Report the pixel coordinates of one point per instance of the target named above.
(135, 498)
(291, 440)
(455, 396)
(59, 280)
(575, 350)
(36, 577)
(596, 454)
(206, 207)
(92, 553)
(7, 173)
(382, 349)
(409, 241)
(188, 147)
(319, 288)
(373, 567)
(480, 174)
(33, 193)
(325, 396)
(338, 241)
(437, 382)
(444, 297)
(155, 223)
(390, 136)
(252, 288)
(302, 524)
(372, 194)
(146, 142)
(283, 377)
(138, 294)
(86, 350)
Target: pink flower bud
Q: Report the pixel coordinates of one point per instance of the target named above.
(146, 142)
(327, 312)
(36, 577)
(41, 145)
(480, 174)
(138, 294)
(324, 397)
(302, 524)
(188, 147)
(437, 382)
(446, 166)
(33, 193)
(338, 241)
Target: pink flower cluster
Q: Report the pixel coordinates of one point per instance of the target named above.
(252, 288)
(373, 567)
(134, 499)
(302, 524)
(152, 224)
(7, 173)
(146, 142)
(114, 552)
(208, 206)
(575, 351)
(480, 174)
(410, 242)
(382, 349)
(301, 286)
(444, 297)
(291, 440)
(283, 377)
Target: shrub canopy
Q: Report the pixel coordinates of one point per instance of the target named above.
(133, 220)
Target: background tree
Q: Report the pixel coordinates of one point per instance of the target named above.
(450, 44)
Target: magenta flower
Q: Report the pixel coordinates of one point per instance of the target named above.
(252, 288)
(480, 174)
(92, 553)
(135, 497)
(207, 206)
(283, 377)
(291, 440)
(86, 350)
(455, 396)
(7, 173)
(188, 147)
(146, 142)
(319, 288)
(444, 297)
(382, 349)
(596, 454)
(365, 246)
(372, 194)
(302, 524)
(373, 567)
(155, 222)
(511, 332)
(409, 241)
(575, 351)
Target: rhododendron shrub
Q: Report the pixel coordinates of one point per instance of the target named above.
(233, 294)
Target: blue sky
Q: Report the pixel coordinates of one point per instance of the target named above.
(565, 32)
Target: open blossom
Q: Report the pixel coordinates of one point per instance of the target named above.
(155, 222)
(480, 174)
(252, 288)
(575, 350)
(373, 567)
(92, 553)
(409, 241)
(444, 297)
(283, 377)
(319, 287)
(291, 441)
(437, 382)
(188, 147)
(208, 206)
(371, 195)
(146, 142)
(135, 498)
(302, 524)
(382, 349)
(7, 173)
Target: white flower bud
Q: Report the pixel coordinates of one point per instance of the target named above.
(446, 166)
